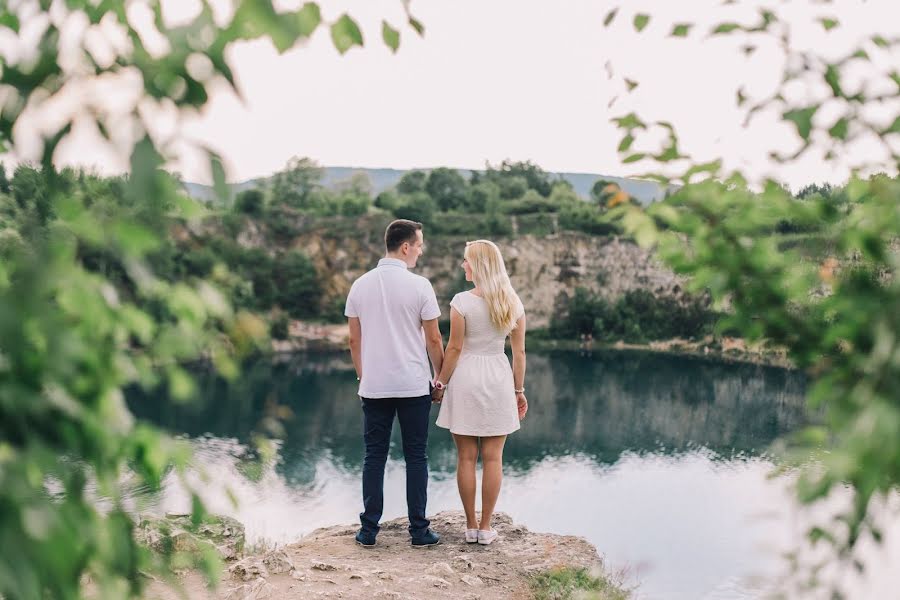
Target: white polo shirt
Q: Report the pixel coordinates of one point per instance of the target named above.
(391, 304)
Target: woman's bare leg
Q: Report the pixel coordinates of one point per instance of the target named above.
(492, 476)
(466, 462)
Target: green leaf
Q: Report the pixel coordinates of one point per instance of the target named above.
(345, 34)
(9, 20)
(880, 41)
(861, 54)
(181, 385)
(894, 128)
(629, 121)
(802, 118)
(308, 19)
(417, 25)
(723, 28)
(610, 16)
(626, 142)
(640, 21)
(833, 79)
(839, 129)
(741, 97)
(135, 239)
(635, 157)
(828, 24)
(391, 36)
(218, 174)
(630, 84)
(681, 29)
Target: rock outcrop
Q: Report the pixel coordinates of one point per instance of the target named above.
(329, 564)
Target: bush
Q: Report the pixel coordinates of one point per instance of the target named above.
(198, 262)
(536, 224)
(638, 316)
(297, 288)
(531, 202)
(417, 207)
(233, 224)
(586, 218)
(280, 326)
(250, 202)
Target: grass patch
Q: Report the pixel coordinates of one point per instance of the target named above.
(565, 583)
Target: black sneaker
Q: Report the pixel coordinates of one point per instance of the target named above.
(365, 538)
(429, 538)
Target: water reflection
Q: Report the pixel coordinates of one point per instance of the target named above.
(598, 407)
(657, 460)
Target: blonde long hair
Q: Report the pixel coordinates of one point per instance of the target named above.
(490, 276)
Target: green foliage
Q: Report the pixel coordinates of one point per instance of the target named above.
(388, 200)
(279, 327)
(514, 178)
(537, 224)
(412, 182)
(447, 187)
(90, 301)
(417, 207)
(294, 185)
(565, 583)
(250, 202)
(530, 202)
(297, 287)
(638, 316)
(830, 313)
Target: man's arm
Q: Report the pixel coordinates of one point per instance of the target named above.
(356, 344)
(435, 344)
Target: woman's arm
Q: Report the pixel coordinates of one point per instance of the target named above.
(454, 348)
(517, 342)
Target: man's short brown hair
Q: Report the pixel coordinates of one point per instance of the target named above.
(400, 231)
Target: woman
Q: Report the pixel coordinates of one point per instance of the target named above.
(485, 399)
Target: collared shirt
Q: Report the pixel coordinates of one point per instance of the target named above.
(391, 304)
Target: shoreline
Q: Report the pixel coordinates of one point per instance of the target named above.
(328, 563)
(332, 339)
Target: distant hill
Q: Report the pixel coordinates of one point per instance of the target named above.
(644, 191)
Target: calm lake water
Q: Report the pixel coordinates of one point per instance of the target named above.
(660, 461)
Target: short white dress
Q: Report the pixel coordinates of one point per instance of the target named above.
(480, 399)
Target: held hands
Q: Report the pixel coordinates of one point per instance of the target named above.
(437, 392)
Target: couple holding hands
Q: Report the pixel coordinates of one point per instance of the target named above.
(393, 317)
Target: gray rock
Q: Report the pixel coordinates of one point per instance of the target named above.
(473, 580)
(224, 534)
(277, 562)
(248, 569)
(463, 563)
(259, 589)
(440, 569)
(435, 581)
(323, 566)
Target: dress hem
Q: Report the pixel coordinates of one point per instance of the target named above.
(478, 434)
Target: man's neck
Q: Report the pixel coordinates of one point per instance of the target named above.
(395, 257)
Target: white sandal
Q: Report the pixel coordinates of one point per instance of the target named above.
(487, 536)
(471, 536)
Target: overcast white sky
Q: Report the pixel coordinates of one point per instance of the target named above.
(516, 79)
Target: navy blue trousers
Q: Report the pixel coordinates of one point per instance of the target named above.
(378, 420)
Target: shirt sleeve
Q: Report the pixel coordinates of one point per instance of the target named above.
(430, 308)
(520, 312)
(459, 304)
(350, 308)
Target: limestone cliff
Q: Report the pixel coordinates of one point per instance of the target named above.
(544, 270)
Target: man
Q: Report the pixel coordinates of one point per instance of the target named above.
(388, 309)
